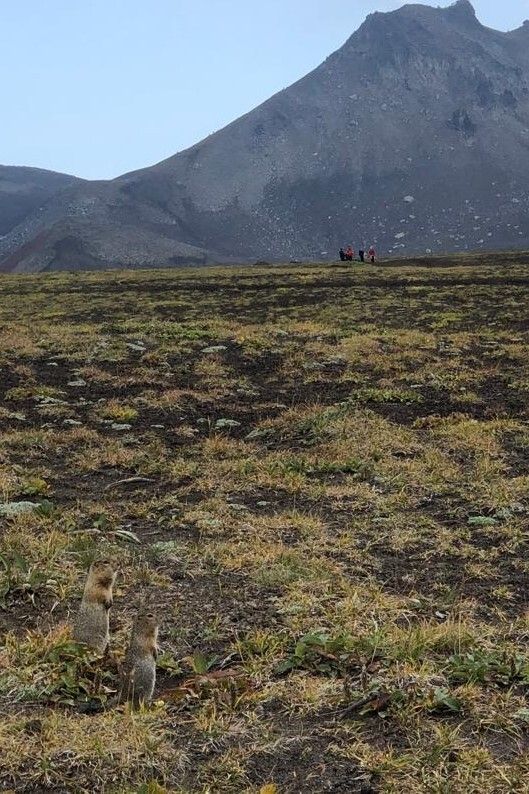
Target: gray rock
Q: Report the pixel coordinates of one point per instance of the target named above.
(222, 423)
(49, 400)
(11, 509)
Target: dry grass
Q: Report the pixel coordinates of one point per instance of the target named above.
(318, 476)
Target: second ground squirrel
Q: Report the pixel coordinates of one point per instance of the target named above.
(138, 674)
(91, 625)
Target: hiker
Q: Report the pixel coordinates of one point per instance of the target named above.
(361, 255)
(349, 254)
(342, 255)
(372, 254)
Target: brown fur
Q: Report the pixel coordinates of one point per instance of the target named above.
(138, 675)
(91, 625)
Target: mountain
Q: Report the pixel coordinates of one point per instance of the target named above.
(25, 190)
(413, 136)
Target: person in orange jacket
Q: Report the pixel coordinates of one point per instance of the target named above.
(349, 254)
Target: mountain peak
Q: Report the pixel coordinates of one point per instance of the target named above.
(463, 5)
(461, 13)
(462, 10)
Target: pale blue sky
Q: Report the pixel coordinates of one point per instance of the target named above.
(100, 87)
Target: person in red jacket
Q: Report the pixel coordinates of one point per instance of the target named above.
(372, 254)
(349, 254)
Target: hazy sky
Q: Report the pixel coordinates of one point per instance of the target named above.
(100, 87)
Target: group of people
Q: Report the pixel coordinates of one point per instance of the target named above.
(348, 254)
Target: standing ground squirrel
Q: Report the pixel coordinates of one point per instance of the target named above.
(91, 624)
(138, 674)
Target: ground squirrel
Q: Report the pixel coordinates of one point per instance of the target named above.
(138, 673)
(91, 625)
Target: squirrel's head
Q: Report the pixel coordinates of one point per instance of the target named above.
(147, 624)
(104, 572)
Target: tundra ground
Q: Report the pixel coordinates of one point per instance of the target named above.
(319, 477)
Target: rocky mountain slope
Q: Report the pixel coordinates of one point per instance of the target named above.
(25, 190)
(413, 136)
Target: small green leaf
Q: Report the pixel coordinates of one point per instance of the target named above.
(482, 521)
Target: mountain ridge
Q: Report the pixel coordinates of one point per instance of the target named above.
(23, 189)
